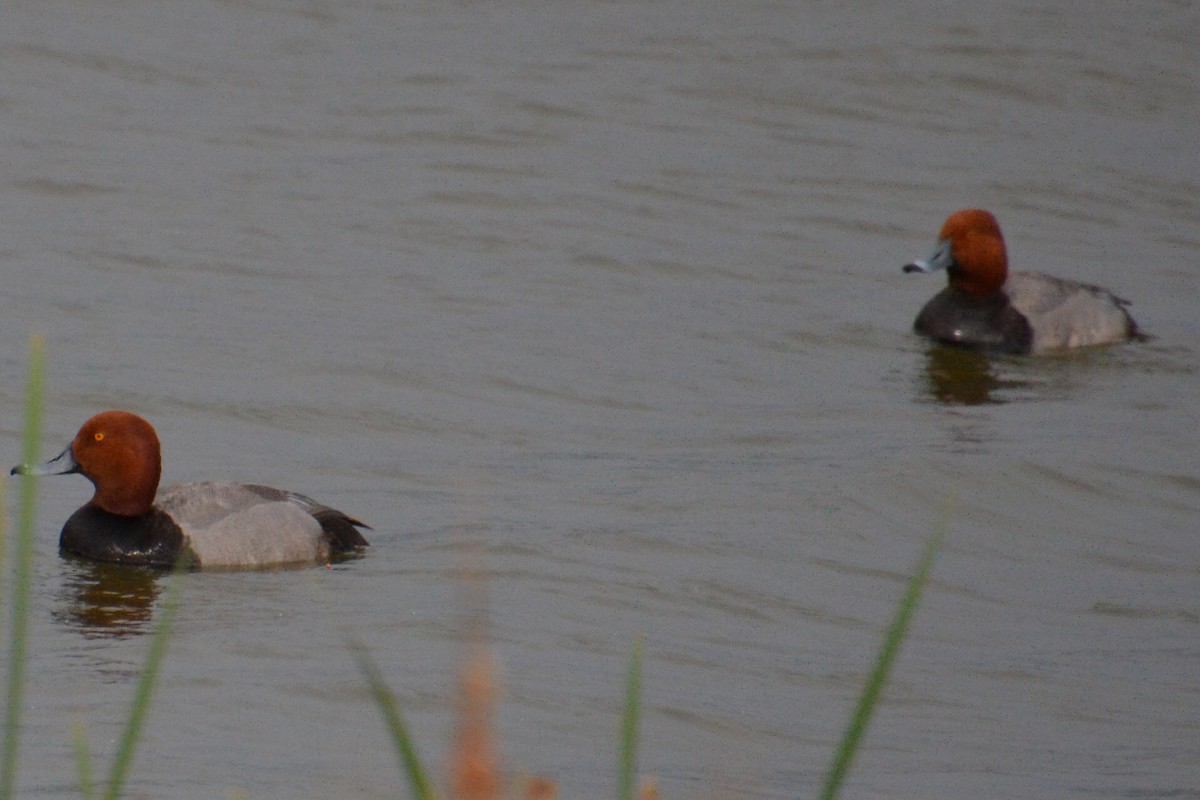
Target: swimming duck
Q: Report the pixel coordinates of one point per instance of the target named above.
(988, 308)
(208, 524)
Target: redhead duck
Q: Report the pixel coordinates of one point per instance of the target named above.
(988, 308)
(208, 525)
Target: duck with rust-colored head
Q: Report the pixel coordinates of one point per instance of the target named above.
(988, 308)
(208, 525)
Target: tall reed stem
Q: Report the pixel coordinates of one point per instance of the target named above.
(888, 651)
(22, 571)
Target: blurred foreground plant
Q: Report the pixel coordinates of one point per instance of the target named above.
(475, 769)
(22, 570)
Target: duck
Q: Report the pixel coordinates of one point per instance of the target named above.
(204, 525)
(986, 307)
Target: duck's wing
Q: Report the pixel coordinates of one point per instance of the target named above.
(248, 525)
(340, 527)
(1066, 313)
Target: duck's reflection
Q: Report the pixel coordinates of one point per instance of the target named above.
(111, 600)
(958, 376)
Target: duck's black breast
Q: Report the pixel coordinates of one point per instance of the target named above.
(983, 323)
(151, 539)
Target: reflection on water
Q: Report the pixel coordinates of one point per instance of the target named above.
(958, 376)
(109, 600)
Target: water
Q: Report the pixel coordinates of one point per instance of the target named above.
(605, 299)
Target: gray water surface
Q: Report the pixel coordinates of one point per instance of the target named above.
(605, 299)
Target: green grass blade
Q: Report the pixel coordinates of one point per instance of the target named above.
(869, 698)
(627, 756)
(22, 572)
(123, 758)
(3, 532)
(83, 761)
(406, 751)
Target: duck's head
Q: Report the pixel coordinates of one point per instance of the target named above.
(119, 453)
(971, 249)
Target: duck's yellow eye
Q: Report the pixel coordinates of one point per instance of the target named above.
(98, 436)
